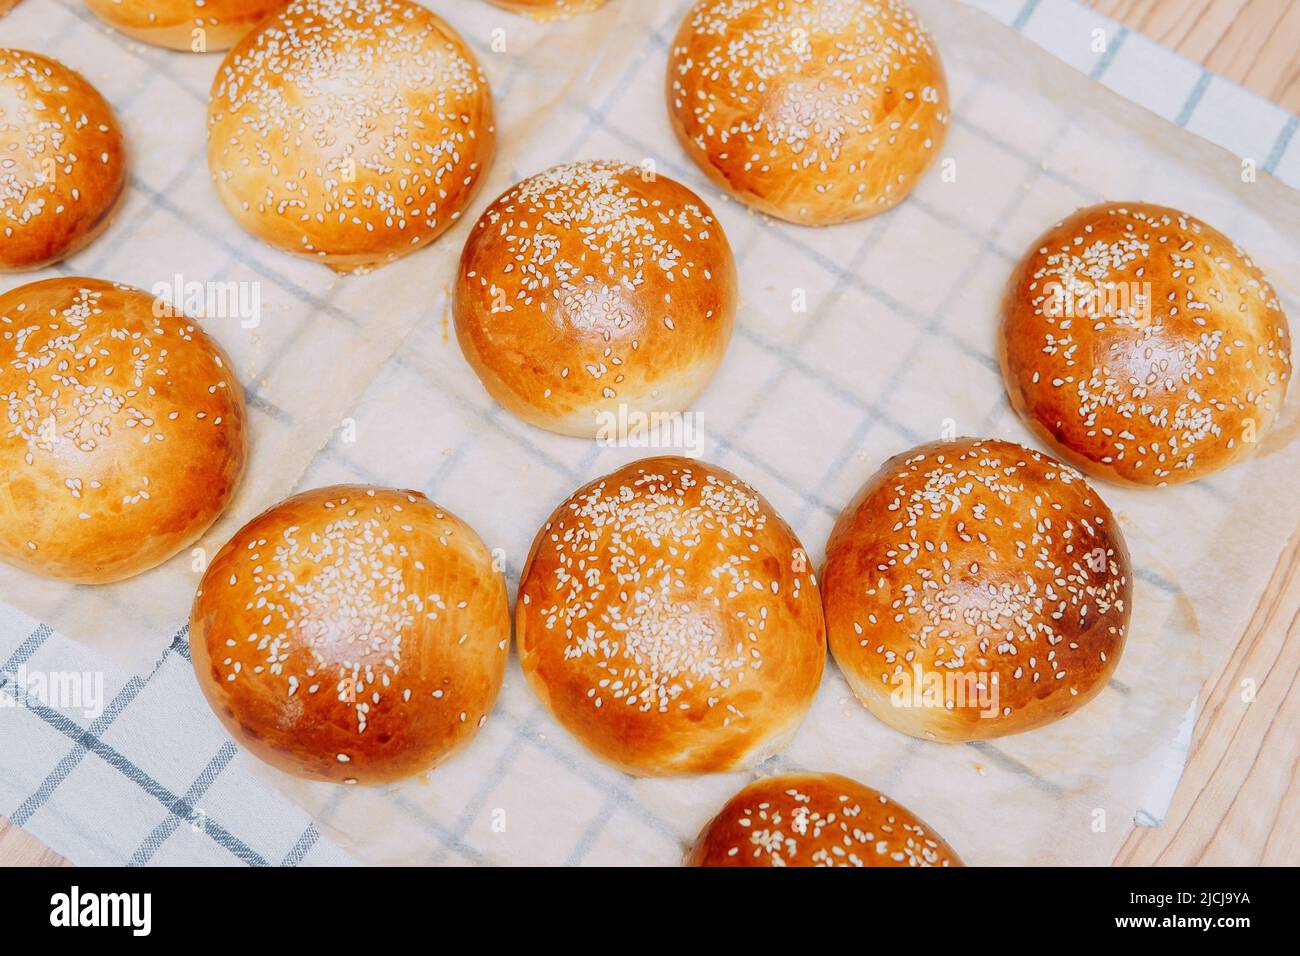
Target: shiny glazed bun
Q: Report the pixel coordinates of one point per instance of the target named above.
(62, 161)
(352, 634)
(123, 434)
(668, 619)
(817, 819)
(548, 9)
(587, 288)
(176, 24)
(975, 589)
(349, 131)
(813, 111)
(1143, 344)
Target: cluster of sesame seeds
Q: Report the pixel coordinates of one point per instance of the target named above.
(357, 116)
(628, 558)
(998, 559)
(44, 140)
(811, 87)
(834, 829)
(583, 244)
(89, 372)
(1189, 343)
(350, 612)
(334, 596)
(196, 12)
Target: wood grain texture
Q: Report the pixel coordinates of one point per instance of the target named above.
(18, 848)
(1239, 801)
(1255, 43)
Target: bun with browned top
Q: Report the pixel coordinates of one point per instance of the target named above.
(975, 589)
(813, 111)
(62, 161)
(668, 619)
(595, 287)
(124, 434)
(351, 132)
(198, 26)
(352, 634)
(817, 819)
(1144, 345)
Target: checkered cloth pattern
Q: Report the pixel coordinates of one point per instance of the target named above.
(153, 779)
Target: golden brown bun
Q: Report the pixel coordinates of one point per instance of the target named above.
(351, 132)
(813, 111)
(975, 589)
(124, 431)
(62, 161)
(1143, 344)
(548, 9)
(586, 288)
(669, 620)
(352, 634)
(817, 819)
(172, 23)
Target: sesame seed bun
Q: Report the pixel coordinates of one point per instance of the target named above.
(124, 436)
(1143, 344)
(813, 111)
(351, 132)
(817, 819)
(593, 286)
(352, 634)
(668, 619)
(975, 589)
(62, 161)
(196, 26)
(548, 9)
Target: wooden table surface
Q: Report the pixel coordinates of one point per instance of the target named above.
(1239, 800)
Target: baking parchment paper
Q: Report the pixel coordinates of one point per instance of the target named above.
(360, 378)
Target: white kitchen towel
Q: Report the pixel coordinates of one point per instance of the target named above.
(137, 771)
